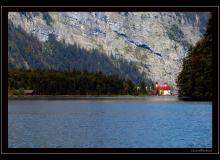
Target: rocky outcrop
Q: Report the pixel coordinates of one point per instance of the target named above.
(155, 41)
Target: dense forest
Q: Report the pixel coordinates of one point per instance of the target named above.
(26, 51)
(50, 82)
(195, 79)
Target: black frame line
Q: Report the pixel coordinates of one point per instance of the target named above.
(4, 82)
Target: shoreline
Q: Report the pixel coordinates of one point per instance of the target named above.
(83, 97)
(106, 97)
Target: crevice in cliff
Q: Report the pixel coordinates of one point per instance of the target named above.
(137, 44)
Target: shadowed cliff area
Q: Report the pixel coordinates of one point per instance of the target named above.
(26, 51)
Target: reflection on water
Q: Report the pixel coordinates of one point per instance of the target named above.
(152, 122)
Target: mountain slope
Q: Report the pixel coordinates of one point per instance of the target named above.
(56, 55)
(195, 79)
(153, 42)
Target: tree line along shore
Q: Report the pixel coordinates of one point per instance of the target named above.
(50, 82)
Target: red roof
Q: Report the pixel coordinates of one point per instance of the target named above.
(165, 87)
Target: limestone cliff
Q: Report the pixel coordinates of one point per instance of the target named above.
(155, 41)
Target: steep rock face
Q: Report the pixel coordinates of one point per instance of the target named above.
(155, 41)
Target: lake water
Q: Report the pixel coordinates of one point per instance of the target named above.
(151, 122)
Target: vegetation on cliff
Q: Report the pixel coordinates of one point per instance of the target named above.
(195, 79)
(26, 51)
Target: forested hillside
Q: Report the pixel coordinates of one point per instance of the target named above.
(48, 82)
(195, 79)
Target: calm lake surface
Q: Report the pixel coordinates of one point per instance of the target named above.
(150, 122)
